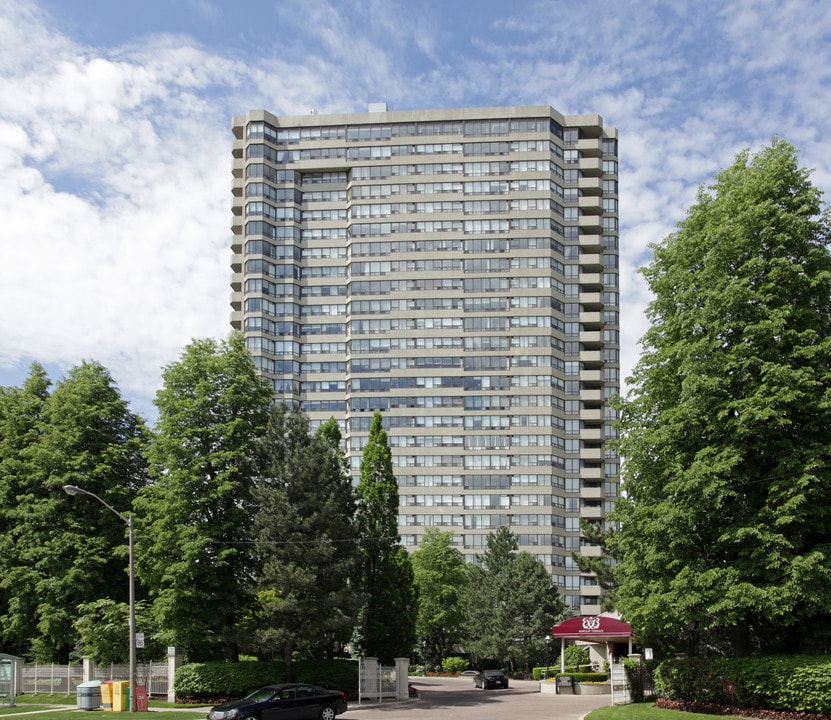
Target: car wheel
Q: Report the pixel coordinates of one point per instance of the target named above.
(251, 717)
(327, 712)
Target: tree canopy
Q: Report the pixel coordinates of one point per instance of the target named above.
(304, 531)
(725, 518)
(57, 552)
(389, 615)
(194, 522)
(440, 575)
(511, 604)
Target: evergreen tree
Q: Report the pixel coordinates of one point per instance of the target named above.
(194, 527)
(305, 534)
(725, 518)
(388, 618)
(511, 604)
(441, 579)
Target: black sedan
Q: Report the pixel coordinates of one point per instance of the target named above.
(290, 701)
(490, 679)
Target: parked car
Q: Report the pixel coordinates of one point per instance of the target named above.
(289, 701)
(490, 679)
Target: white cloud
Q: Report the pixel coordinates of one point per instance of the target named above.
(115, 159)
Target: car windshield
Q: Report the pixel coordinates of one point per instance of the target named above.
(493, 672)
(260, 695)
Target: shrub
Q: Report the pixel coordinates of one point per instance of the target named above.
(214, 681)
(454, 665)
(577, 655)
(796, 683)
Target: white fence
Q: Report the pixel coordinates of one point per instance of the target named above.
(64, 679)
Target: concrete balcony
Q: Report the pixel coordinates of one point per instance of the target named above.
(590, 185)
(591, 320)
(591, 377)
(591, 513)
(590, 205)
(591, 242)
(590, 340)
(590, 357)
(591, 262)
(591, 166)
(591, 493)
(592, 454)
(590, 147)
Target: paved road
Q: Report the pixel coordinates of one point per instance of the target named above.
(457, 699)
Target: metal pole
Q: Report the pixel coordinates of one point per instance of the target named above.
(132, 622)
(75, 490)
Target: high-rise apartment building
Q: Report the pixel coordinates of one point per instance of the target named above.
(456, 270)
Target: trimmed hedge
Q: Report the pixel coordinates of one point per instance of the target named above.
(213, 682)
(553, 670)
(796, 683)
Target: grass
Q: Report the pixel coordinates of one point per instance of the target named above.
(64, 707)
(645, 711)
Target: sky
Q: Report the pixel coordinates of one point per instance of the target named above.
(115, 134)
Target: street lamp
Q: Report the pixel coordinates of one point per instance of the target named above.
(74, 490)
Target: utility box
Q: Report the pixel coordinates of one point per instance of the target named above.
(121, 695)
(89, 695)
(107, 695)
(141, 698)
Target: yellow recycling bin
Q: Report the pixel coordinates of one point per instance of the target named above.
(107, 695)
(121, 695)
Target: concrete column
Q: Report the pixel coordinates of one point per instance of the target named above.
(402, 686)
(174, 661)
(87, 669)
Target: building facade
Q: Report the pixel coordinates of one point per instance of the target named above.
(456, 270)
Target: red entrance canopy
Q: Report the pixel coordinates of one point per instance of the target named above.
(592, 627)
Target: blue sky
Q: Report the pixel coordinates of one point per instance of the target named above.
(115, 134)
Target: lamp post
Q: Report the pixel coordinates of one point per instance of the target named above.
(74, 490)
(547, 654)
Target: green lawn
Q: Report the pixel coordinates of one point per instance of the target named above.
(645, 711)
(48, 707)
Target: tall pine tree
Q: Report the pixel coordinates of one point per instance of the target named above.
(305, 534)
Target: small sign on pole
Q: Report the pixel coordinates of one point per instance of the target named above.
(139, 640)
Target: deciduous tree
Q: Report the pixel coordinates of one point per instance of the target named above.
(59, 552)
(194, 530)
(440, 575)
(389, 615)
(726, 512)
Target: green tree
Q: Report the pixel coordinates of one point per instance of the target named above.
(725, 518)
(388, 618)
(102, 627)
(511, 604)
(305, 532)
(60, 551)
(594, 533)
(440, 575)
(194, 526)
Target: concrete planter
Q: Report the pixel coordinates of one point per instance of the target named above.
(592, 689)
(550, 688)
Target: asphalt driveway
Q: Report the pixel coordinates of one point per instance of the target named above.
(457, 699)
